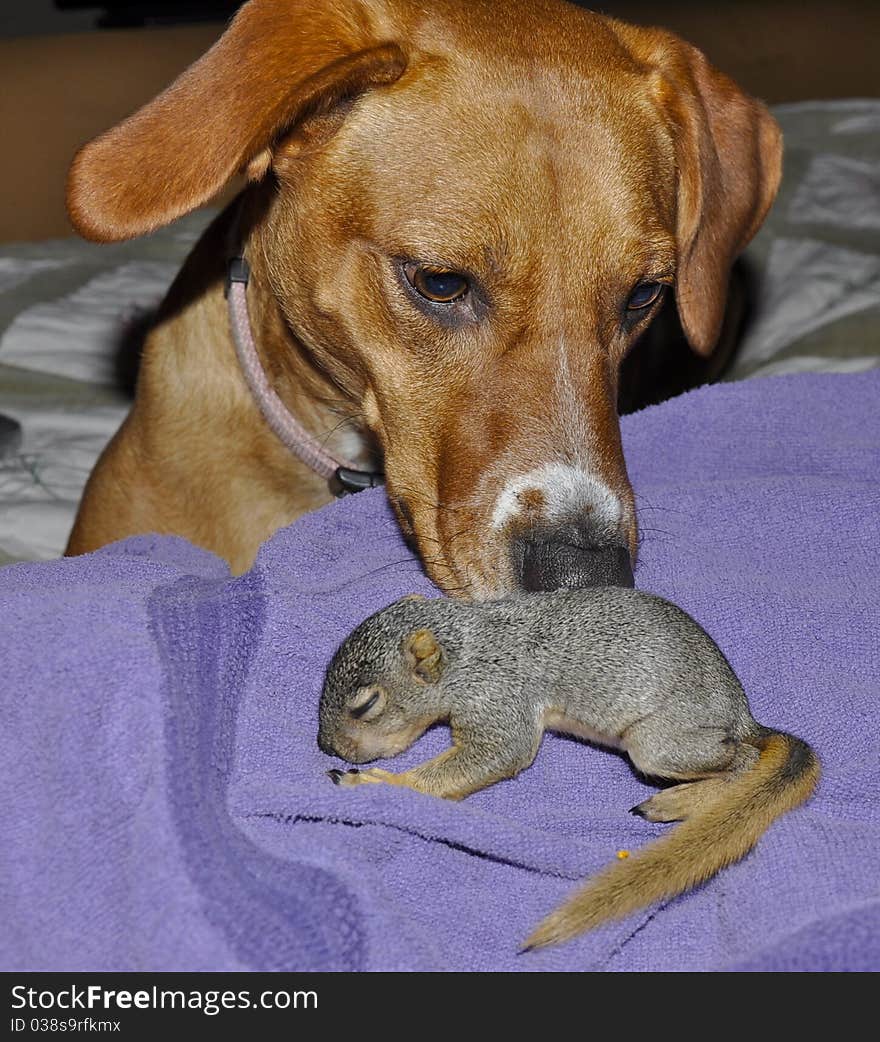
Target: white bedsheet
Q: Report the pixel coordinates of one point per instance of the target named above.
(75, 335)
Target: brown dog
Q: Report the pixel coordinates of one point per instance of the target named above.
(461, 215)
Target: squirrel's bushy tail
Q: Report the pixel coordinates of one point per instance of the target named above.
(784, 776)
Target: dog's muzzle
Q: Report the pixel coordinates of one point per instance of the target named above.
(562, 558)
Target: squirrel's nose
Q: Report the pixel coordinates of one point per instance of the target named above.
(325, 745)
(569, 556)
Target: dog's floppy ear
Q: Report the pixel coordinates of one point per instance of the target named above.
(279, 61)
(728, 151)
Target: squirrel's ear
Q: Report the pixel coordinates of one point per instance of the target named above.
(424, 656)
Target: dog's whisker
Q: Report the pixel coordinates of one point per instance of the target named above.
(390, 564)
(644, 505)
(448, 507)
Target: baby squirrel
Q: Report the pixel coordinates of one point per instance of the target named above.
(614, 665)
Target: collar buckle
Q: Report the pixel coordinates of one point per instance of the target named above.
(345, 481)
(237, 270)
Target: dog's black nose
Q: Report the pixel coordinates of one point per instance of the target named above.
(554, 559)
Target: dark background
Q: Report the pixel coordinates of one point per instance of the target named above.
(69, 69)
(31, 17)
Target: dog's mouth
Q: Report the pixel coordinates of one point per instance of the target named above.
(529, 540)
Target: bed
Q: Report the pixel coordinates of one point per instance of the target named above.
(166, 803)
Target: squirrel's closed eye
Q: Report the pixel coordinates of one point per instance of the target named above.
(369, 703)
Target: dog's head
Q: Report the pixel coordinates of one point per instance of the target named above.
(474, 209)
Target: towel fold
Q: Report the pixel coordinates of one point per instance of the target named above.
(166, 805)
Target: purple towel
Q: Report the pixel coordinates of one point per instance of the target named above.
(165, 802)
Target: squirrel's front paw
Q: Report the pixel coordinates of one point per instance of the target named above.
(355, 777)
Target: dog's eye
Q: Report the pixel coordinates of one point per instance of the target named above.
(438, 285)
(644, 295)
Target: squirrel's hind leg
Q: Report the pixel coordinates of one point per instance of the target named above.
(681, 801)
(693, 760)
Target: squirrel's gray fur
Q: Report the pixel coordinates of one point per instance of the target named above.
(616, 665)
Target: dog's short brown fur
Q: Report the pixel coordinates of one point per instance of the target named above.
(556, 157)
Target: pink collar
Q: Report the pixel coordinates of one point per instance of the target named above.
(342, 476)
